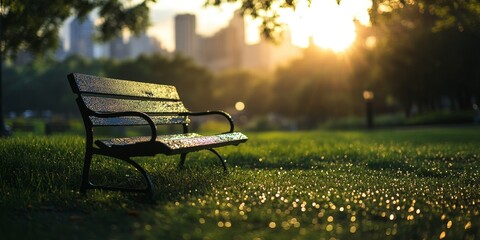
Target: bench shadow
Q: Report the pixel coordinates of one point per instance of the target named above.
(313, 162)
(174, 184)
(250, 161)
(169, 182)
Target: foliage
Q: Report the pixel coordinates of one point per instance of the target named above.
(425, 68)
(449, 14)
(321, 86)
(44, 86)
(32, 25)
(456, 14)
(316, 86)
(382, 121)
(408, 184)
(193, 82)
(420, 64)
(251, 88)
(426, 57)
(266, 11)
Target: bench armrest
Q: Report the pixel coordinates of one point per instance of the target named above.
(222, 113)
(147, 118)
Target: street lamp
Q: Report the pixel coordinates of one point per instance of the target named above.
(368, 97)
(239, 106)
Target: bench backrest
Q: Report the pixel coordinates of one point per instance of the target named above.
(108, 95)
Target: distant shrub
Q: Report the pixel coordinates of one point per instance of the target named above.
(398, 119)
(443, 117)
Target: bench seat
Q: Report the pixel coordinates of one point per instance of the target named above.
(170, 144)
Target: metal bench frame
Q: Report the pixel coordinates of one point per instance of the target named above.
(126, 156)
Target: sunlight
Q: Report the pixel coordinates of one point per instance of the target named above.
(331, 25)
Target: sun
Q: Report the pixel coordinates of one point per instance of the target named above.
(329, 24)
(336, 34)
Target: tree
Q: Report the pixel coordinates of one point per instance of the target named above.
(429, 48)
(32, 25)
(426, 63)
(252, 88)
(44, 85)
(453, 13)
(316, 85)
(192, 81)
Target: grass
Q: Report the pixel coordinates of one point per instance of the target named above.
(386, 184)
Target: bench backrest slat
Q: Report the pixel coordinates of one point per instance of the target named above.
(135, 121)
(108, 105)
(108, 95)
(82, 83)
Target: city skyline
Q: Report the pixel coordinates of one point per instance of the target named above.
(225, 49)
(330, 24)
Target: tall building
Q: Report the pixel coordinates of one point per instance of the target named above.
(60, 53)
(141, 44)
(81, 37)
(225, 49)
(119, 48)
(185, 35)
(237, 29)
(145, 45)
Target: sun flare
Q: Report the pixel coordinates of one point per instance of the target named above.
(329, 24)
(338, 36)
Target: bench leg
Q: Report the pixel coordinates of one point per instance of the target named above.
(86, 184)
(149, 189)
(183, 156)
(221, 159)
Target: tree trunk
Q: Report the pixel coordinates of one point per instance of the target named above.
(4, 130)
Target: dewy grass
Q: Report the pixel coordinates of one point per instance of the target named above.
(399, 184)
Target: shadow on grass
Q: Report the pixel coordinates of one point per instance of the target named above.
(251, 161)
(169, 182)
(313, 162)
(402, 167)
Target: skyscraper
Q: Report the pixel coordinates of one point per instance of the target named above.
(236, 30)
(225, 49)
(119, 49)
(185, 35)
(81, 37)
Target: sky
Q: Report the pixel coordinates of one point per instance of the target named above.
(331, 25)
(209, 20)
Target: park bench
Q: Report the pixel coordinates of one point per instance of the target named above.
(113, 102)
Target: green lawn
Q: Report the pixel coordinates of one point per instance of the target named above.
(385, 184)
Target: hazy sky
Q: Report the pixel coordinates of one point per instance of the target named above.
(209, 20)
(330, 25)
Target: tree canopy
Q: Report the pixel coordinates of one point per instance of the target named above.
(461, 14)
(32, 25)
(426, 58)
(44, 85)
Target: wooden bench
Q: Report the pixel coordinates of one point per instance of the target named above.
(112, 102)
